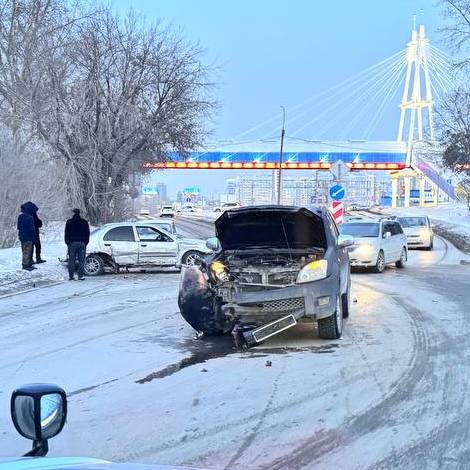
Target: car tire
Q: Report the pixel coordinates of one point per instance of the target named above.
(94, 265)
(332, 326)
(380, 263)
(403, 259)
(346, 301)
(192, 258)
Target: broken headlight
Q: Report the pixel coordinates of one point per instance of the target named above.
(313, 271)
(219, 271)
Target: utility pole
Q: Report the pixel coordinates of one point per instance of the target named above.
(279, 178)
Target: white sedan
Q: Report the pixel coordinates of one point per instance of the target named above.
(143, 244)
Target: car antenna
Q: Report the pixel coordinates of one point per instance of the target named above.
(287, 239)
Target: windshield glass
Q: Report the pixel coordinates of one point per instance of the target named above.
(361, 230)
(412, 221)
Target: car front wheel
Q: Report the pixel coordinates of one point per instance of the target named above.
(332, 327)
(346, 301)
(380, 264)
(403, 258)
(192, 258)
(94, 265)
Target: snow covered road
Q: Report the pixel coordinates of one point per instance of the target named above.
(392, 393)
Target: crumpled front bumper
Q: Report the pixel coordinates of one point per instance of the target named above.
(312, 300)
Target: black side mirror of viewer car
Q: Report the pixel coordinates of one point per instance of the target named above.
(38, 412)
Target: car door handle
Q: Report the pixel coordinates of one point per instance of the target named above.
(107, 244)
(142, 244)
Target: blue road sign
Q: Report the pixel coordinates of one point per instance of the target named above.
(337, 192)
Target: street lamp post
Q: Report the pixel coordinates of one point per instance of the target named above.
(279, 179)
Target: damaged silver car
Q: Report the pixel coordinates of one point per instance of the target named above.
(272, 267)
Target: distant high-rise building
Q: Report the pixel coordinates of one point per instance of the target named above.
(303, 191)
(231, 186)
(162, 191)
(255, 190)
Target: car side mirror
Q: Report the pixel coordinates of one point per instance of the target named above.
(345, 240)
(213, 244)
(387, 234)
(38, 412)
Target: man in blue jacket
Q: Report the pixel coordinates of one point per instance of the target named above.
(27, 235)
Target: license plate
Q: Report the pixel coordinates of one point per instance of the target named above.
(271, 329)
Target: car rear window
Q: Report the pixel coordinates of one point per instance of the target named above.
(360, 230)
(120, 234)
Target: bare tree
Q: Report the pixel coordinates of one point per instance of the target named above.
(102, 92)
(457, 31)
(453, 118)
(26, 175)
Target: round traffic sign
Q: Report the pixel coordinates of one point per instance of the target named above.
(337, 192)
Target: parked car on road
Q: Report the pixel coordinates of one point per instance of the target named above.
(377, 242)
(139, 245)
(418, 231)
(144, 211)
(273, 266)
(167, 211)
(225, 206)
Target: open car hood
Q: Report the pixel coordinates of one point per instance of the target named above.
(279, 227)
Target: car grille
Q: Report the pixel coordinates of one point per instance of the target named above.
(283, 305)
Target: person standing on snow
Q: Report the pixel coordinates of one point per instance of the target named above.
(77, 236)
(26, 235)
(37, 241)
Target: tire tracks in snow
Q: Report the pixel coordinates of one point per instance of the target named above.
(377, 416)
(254, 432)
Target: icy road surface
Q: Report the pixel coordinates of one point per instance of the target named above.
(393, 393)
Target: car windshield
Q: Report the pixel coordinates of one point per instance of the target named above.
(360, 229)
(167, 207)
(412, 221)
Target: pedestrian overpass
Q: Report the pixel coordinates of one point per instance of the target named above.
(410, 160)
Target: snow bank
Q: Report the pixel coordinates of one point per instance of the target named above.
(13, 278)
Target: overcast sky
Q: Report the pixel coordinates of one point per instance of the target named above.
(274, 52)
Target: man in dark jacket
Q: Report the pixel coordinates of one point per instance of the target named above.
(77, 236)
(27, 235)
(37, 241)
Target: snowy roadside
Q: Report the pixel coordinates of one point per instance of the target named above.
(450, 221)
(13, 278)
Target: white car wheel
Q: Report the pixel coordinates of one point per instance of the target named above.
(380, 264)
(94, 265)
(192, 258)
(403, 258)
